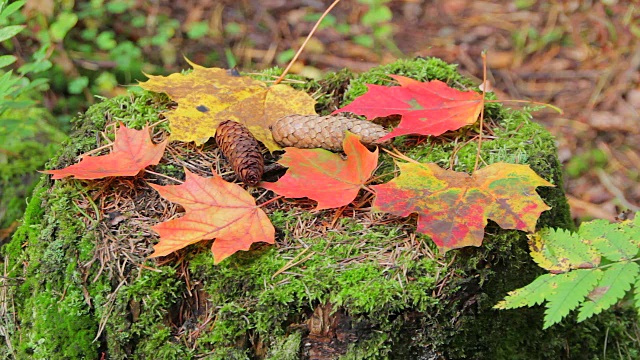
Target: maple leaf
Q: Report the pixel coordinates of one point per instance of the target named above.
(324, 176)
(453, 207)
(132, 151)
(430, 108)
(214, 209)
(208, 96)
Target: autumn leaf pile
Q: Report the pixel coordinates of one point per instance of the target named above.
(452, 207)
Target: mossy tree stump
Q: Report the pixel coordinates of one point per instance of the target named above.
(345, 284)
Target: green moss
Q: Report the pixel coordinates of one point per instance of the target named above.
(285, 347)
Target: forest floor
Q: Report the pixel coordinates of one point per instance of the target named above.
(580, 56)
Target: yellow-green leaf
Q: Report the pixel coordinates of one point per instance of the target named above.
(208, 96)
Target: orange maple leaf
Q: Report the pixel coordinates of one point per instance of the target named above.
(427, 108)
(324, 176)
(214, 209)
(132, 151)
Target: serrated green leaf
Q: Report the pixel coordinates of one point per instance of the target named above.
(634, 229)
(617, 245)
(615, 282)
(560, 251)
(596, 228)
(532, 294)
(570, 289)
(610, 239)
(8, 32)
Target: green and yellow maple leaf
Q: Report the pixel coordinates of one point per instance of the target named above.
(454, 207)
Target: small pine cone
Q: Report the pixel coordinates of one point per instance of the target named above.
(242, 150)
(327, 132)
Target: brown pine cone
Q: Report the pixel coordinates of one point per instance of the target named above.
(242, 150)
(327, 132)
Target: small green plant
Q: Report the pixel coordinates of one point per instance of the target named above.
(591, 269)
(377, 17)
(16, 90)
(373, 31)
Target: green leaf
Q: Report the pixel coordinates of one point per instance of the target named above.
(7, 81)
(37, 83)
(118, 7)
(364, 40)
(78, 84)
(62, 25)
(593, 287)
(570, 289)
(198, 30)
(8, 32)
(636, 293)
(615, 283)
(35, 67)
(377, 15)
(616, 246)
(532, 294)
(596, 228)
(13, 7)
(6, 60)
(285, 56)
(560, 251)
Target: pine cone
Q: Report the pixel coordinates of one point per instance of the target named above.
(242, 150)
(327, 132)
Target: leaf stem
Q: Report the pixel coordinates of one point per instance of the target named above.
(315, 27)
(616, 262)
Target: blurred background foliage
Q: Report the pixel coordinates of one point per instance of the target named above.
(57, 57)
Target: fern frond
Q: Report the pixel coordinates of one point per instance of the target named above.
(560, 251)
(615, 282)
(570, 289)
(578, 279)
(613, 243)
(532, 294)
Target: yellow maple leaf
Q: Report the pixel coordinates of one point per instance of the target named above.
(208, 96)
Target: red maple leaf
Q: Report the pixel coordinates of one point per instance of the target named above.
(324, 176)
(132, 151)
(430, 108)
(214, 209)
(453, 207)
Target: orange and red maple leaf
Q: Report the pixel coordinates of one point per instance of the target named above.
(430, 108)
(324, 176)
(215, 209)
(132, 151)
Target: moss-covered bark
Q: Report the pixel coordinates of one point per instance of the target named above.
(79, 286)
